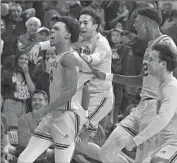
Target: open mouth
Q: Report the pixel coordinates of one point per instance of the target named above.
(37, 106)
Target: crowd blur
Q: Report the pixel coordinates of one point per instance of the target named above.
(23, 85)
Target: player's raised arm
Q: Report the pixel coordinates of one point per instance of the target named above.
(71, 64)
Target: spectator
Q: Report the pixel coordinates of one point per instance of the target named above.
(2, 32)
(53, 20)
(42, 71)
(15, 26)
(172, 30)
(97, 6)
(166, 11)
(5, 143)
(28, 122)
(123, 13)
(43, 34)
(29, 39)
(16, 87)
(170, 26)
(50, 10)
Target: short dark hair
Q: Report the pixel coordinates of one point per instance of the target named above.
(72, 26)
(151, 13)
(94, 14)
(41, 92)
(167, 55)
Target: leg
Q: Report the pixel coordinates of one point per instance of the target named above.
(64, 155)
(114, 144)
(88, 148)
(98, 109)
(118, 138)
(35, 148)
(118, 92)
(64, 130)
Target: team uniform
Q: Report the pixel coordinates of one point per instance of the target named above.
(63, 125)
(163, 127)
(101, 92)
(142, 115)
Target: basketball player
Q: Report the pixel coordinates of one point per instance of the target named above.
(147, 26)
(66, 116)
(161, 63)
(101, 93)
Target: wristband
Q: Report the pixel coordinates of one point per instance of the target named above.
(86, 113)
(109, 77)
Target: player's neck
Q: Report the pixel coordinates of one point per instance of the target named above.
(60, 48)
(154, 33)
(166, 76)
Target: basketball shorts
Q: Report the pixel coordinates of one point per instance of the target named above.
(164, 154)
(61, 128)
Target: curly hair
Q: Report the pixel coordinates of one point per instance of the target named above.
(151, 13)
(72, 26)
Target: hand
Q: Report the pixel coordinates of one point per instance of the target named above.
(25, 68)
(9, 156)
(48, 64)
(130, 145)
(34, 52)
(87, 58)
(99, 74)
(36, 60)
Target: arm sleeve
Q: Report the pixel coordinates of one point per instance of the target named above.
(165, 115)
(99, 53)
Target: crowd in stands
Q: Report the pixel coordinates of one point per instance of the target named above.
(24, 87)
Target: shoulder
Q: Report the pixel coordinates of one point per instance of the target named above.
(169, 41)
(170, 87)
(103, 41)
(71, 60)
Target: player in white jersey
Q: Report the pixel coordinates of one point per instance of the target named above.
(161, 63)
(147, 26)
(64, 115)
(101, 92)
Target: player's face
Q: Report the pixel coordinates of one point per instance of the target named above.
(115, 37)
(154, 63)
(140, 27)
(23, 59)
(87, 27)
(58, 33)
(38, 101)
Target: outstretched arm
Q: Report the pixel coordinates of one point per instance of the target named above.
(134, 81)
